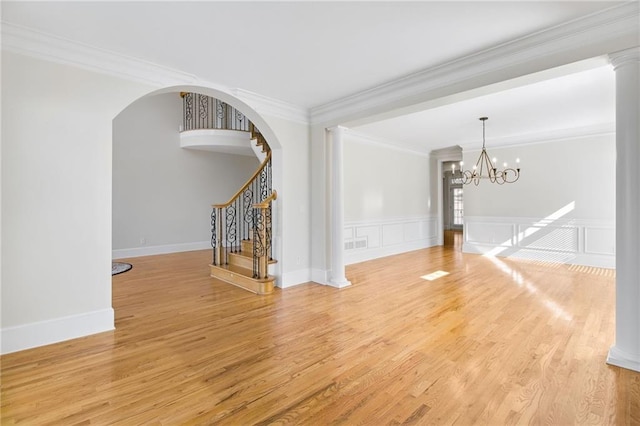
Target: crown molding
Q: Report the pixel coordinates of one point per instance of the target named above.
(567, 41)
(29, 42)
(542, 137)
(273, 107)
(368, 140)
(452, 153)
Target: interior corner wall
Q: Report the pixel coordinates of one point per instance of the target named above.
(292, 209)
(56, 199)
(387, 201)
(562, 209)
(162, 193)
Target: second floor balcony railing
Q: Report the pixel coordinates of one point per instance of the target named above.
(205, 112)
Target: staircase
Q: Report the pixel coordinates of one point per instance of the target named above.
(241, 230)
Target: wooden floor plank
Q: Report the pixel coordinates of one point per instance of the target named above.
(496, 341)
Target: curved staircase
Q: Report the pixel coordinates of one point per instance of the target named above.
(241, 228)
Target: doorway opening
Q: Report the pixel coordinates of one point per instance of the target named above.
(453, 206)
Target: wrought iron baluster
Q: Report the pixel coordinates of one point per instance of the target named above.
(188, 111)
(212, 113)
(239, 213)
(231, 228)
(255, 242)
(247, 199)
(214, 236)
(203, 111)
(268, 229)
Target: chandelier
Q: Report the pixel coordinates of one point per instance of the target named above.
(485, 168)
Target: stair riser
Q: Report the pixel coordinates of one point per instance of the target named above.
(240, 260)
(247, 246)
(264, 286)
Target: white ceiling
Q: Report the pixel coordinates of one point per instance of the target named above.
(311, 53)
(579, 102)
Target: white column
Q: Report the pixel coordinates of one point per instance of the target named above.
(336, 196)
(626, 351)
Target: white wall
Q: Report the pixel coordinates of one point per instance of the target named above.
(56, 199)
(561, 209)
(292, 212)
(319, 204)
(387, 200)
(162, 194)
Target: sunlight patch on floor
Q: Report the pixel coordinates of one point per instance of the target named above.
(434, 275)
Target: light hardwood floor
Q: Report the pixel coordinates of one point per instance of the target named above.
(493, 342)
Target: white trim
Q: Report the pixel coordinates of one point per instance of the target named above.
(320, 276)
(339, 283)
(551, 136)
(37, 44)
(386, 237)
(515, 237)
(293, 278)
(153, 250)
(565, 41)
(273, 107)
(361, 138)
(624, 57)
(236, 142)
(26, 41)
(623, 359)
(56, 330)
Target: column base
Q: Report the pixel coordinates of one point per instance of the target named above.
(339, 283)
(623, 359)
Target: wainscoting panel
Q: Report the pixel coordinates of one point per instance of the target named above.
(555, 238)
(371, 234)
(599, 241)
(392, 233)
(368, 240)
(496, 234)
(571, 241)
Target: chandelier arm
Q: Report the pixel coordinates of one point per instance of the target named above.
(516, 174)
(484, 162)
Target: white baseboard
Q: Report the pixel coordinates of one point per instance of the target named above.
(320, 276)
(622, 359)
(293, 278)
(56, 330)
(339, 284)
(153, 250)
